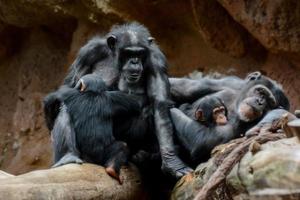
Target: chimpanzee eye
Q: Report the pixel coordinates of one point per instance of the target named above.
(150, 40)
(221, 109)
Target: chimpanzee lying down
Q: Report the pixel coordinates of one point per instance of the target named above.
(247, 103)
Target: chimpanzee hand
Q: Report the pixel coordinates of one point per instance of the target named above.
(260, 129)
(171, 164)
(275, 121)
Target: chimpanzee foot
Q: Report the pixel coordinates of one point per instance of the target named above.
(171, 164)
(112, 172)
(67, 159)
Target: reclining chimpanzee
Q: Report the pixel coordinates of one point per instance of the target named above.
(258, 96)
(130, 52)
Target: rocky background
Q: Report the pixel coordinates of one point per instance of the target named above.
(39, 40)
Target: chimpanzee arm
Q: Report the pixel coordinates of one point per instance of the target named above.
(186, 128)
(51, 109)
(269, 122)
(96, 57)
(188, 90)
(64, 140)
(196, 138)
(188, 110)
(52, 104)
(158, 92)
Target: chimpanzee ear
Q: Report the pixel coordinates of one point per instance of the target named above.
(272, 101)
(150, 39)
(80, 85)
(111, 41)
(199, 115)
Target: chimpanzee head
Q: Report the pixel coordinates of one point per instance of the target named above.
(130, 45)
(259, 95)
(210, 110)
(256, 78)
(91, 83)
(254, 102)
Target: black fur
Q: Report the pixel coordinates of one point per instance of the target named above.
(128, 52)
(83, 129)
(150, 87)
(261, 93)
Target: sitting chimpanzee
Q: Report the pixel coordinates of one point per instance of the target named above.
(130, 52)
(78, 135)
(209, 111)
(246, 108)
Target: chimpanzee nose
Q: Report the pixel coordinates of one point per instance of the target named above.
(134, 61)
(260, 101)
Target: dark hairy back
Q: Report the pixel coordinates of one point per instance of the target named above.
(86, 111)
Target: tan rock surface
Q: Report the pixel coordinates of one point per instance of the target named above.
(72, 181)
(274, 23)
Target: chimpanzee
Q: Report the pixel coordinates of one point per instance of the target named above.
(131, 47)
(197, 140)
(185, 90)
(209, 110)
(77, 132)
(246, 108)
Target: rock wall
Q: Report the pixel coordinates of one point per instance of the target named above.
(39, 40)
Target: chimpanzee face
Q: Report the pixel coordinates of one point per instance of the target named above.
(131, 49)
(210, 111)
(257, 101)
(132, 62)
(219, 115)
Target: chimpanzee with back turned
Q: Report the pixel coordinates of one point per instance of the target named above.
(128, 59)
(77, 134)
(246, 108)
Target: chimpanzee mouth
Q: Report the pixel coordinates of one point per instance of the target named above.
(248, 113)
(132, 78)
